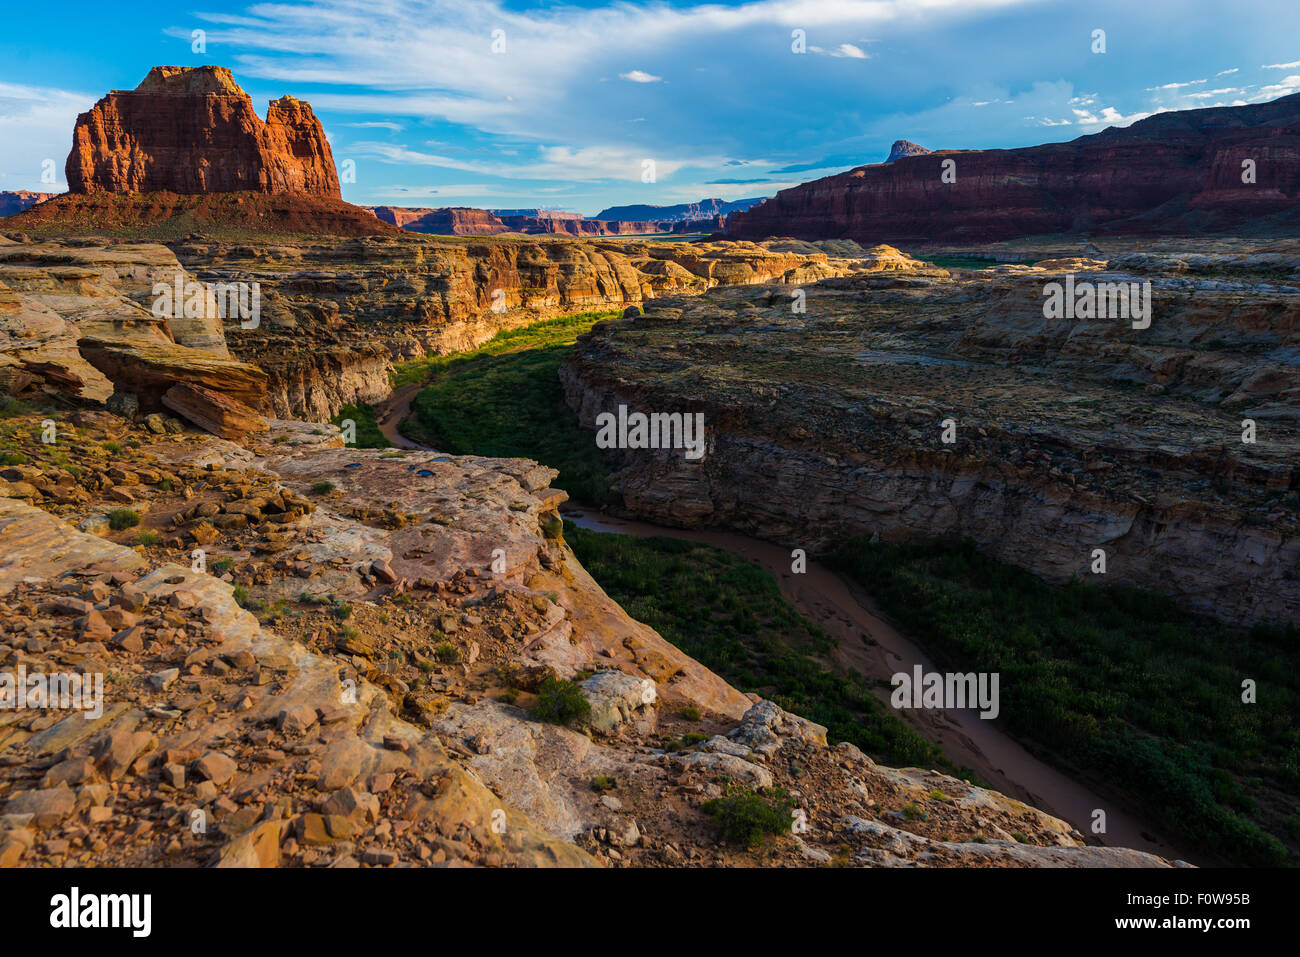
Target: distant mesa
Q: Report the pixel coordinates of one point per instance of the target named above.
(1187, 172)
(192, 130)
(704, 209)
(706, 216)
(15, 201)
(903, 148)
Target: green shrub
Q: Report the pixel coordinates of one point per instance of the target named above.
(913, 812)
(447, 653)
(147, 537)
(561, 702)
(322, 488)
(121, 518)
(746, 817)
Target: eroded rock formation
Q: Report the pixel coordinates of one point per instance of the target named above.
(193, 130)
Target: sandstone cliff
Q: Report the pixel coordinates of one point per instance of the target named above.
(193, 130)
(1178, 172)
(338, 314)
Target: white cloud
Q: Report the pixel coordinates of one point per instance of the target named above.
(1282, 66)
(584, 164)
(1175, 86)
(1226, 72)
(434, 58)
(1109, 116)
(36, 134)
(640, 76)
(843, 50)
(1283, 87)
(377, 125)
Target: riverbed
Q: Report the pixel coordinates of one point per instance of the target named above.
(869, 645)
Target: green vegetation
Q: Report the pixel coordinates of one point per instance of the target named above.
(562, 330)
(746, 817)
(1117, 683)
(603, 782)
(147, 538)
(504, 399)
(368, 434)
(729, 615)
(561, 702)
(446, 653)
(121, 518)
(322, 488)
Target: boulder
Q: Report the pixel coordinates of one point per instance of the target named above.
(148, 369)
(216, 413)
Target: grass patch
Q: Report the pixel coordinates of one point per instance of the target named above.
(322, 488)
(504, 399)
(368, 434)
(1117, 683)
(729, 615)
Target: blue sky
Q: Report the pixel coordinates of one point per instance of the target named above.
(582, 94)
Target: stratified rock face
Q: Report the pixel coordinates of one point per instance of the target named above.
(903, 148)
(1178, 172)
(193, 130)
(54, 293)
(453, 221)
(336, 315)
(1068, 435)
(15, 201)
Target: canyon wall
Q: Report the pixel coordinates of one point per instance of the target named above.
(1065, 436)
(338, 314)
(1178, 172)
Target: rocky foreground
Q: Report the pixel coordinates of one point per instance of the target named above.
(342, 675)
(1065, 436)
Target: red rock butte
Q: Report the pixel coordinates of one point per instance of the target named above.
(192, 130)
